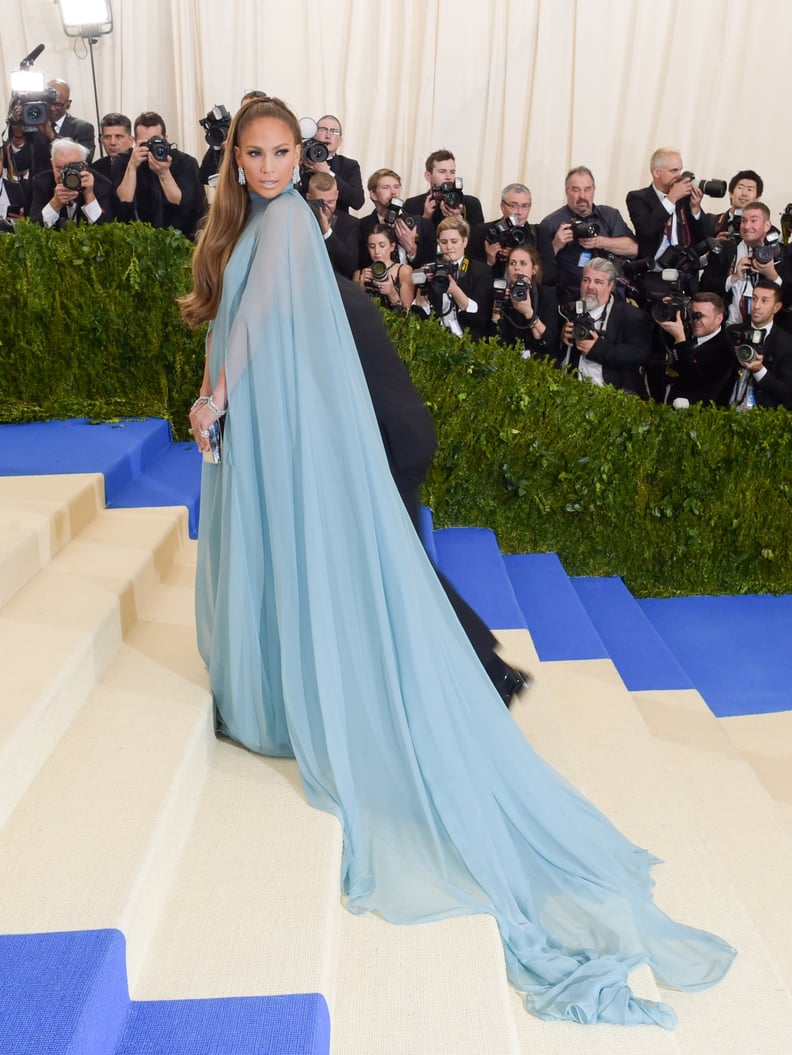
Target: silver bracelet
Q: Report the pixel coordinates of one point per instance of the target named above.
(214, 407)
(201, 401)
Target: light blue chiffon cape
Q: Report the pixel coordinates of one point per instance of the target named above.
(327, 637)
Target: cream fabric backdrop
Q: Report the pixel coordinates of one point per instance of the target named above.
(518, 89)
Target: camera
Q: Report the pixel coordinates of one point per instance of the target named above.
(575, 311)
(518, 290)
(314, 151)
(395, 211)
(215, 126)
(71, 175)
(449, 192)
(766, 254)
(690, 260)
(666, 310)
(159, 148)
(713, 188)
(33, 107)
(584, 229)
(436, 276)
(746, 341)
(508, 233)
(515, 291)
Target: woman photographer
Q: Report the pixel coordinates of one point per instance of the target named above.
(386, 277)
(525, 313)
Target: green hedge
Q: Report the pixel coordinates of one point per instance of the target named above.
(676, 502)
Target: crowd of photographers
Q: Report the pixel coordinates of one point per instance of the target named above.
(684, 306)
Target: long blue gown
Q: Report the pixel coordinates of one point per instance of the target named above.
(327, 637)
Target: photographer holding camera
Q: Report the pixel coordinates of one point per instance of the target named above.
(384, 276)
(416, 239)
(524, 312)
(455, 289)
(345, 171)
(700, 365)
(339, 229)
(492, 240)
(608, 341)
(764, 353)
(737, 269)
(581, 230)
(59, 125)
(70, 192)
(157, 183)
(445, 197)
(744, 187)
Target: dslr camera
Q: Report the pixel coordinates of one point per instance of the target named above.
(575, 311)
(71, 175)
(746, 341)
(33, 107)
(315, 151)
(665, 310)
(435, 276)
(769, 253)
(395, 211)
(713, 188)
(379, 271)
(584, 229)
(508, 233)
(215, 126)
(449, 192)
(159, 148)
(515, 291)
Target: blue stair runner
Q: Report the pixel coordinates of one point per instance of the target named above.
(66, 994)
(472, 561)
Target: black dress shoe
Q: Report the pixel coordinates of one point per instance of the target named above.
(511, 684)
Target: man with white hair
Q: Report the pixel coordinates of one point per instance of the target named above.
(70, 192)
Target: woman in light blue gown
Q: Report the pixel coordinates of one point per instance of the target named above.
(328, 637)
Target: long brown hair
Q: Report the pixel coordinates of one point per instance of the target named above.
(227, 215)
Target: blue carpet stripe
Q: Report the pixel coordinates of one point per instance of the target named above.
(472, 561)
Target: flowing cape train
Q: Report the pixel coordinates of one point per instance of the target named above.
(328, 637)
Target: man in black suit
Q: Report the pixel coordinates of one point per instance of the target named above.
(115, 135)
(410, 443)
(513, 229)
(61, 125)
(766, 378)
(345, 171)
(437, 204)
(701, 365)
(160, 186)
(416, 239)
(466, 301)
(339, 229)
(618, 342)
(84, 197)
(668, 212)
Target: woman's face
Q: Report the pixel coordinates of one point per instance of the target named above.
(452, 244)
(520, 263)
(267, 153)
(379, 247)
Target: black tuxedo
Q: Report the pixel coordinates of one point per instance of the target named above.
(775, 388)
(472, 211)
(150, 203)
(348, 180)
(474, 279)
(623, 349)
(19, 195)
(342, 244)
(702, 373)
(75, 128)
(427, 239)
(649, 217)
(536, 237)
(44, 188)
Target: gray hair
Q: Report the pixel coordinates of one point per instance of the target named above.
(600, 263)
(513, 188)
(579, 170)
(60, 146)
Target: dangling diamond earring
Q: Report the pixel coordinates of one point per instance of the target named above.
(242, 177)
(296, 174)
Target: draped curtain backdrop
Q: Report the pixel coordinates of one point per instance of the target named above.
(519, 90)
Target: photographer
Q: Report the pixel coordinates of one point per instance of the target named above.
(610, 342)
(157, 183)
(70, 192)
(492, 240)
(384, 276)
(524, 312)
(700, 366)
(415, 237)
(457, 290)
(765, 378)
(339, 229)
(60, 125)
(345, 171)
(581, 230)
(744, 187)
(737, 269)
(215, 126)
(444, 198)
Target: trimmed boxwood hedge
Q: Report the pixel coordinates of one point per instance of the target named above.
(676, 502)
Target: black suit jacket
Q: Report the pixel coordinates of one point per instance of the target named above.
(623, 349)
(649, 218)
(348, 180)
(702, 373)
(775, 388)
(720, 265)
(513, 328)
(342, 244)
(44, 188)
(473, 212)
(476, 280)
(75, 128)
(19, 195)
(151, 205)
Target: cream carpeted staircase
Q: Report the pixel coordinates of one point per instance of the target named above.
(120, 809)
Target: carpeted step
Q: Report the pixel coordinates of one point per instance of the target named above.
(639, 653)
(472, 561)
(559, 624)
(119, 450)
(765, 742)
(172, 479)
(736, 650)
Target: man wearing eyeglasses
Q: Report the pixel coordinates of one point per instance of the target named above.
(345, 171)
(61, 125)
(490, 241)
